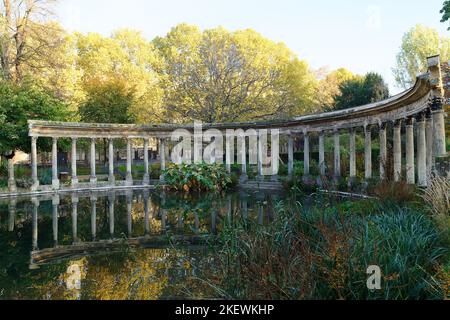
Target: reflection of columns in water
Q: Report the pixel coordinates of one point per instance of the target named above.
(213, 220)
(163, 213)
(129, 213)
(55, 204)
(34, 222)
(196, 222)
(146, 213)
(74, 218)
(229, 209)
(260, 213)
(94, 217)
(12, 214)
(111, 200)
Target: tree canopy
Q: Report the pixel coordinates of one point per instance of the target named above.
(359, 91)
(218, 76)
(419, 43)
(18, 104)
(445, 11)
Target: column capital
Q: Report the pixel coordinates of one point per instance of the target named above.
(382, 125)
(410, 121)
(397, 122)
(436, 103)
(428, 114)
(420, 117)
(34, 139)
(74, 139)
(55, 139)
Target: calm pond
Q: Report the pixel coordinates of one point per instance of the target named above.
(117, 245)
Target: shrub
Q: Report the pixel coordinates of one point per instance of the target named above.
(197, 177)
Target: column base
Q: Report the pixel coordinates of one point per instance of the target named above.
(35, 187)
(112, 180)
(129, 180)
(274, 178)
(12, 187)
(146, 180)
(55, 184)
(243, 178)
(93, 181)
(74, 183)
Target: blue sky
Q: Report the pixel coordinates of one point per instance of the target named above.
(359, 35)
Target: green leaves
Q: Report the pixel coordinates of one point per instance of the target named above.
(197, 177)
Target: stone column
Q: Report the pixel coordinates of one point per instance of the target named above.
(229, 156)
(260, 155)
(129, 178)
(111, 176)
(322, 153)
(421, 151)
(368, 152)
(162, 155)
(306, 153)
(410, 172)
(397, 150)
(146, 180)
(244, 176)
(94, 217)
(430, 143)
(383, 151)
(34, 222)
(352, 154)
(55, 204)
(75, 218)
(439, 127)
(11, 180)
(74, 163)
(337, 154)
(93, 179)
(34, 173)
(55, 180)
(290, 155)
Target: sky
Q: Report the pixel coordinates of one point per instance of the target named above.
(359, 35)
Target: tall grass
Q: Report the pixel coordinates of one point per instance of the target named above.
(322, 253)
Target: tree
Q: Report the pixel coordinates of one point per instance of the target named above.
(18, 104)
(23, 36)
(360, 91)
(329, 86)
(419, 43)
(445, 11)
(218, 76)
(107, 102)
(127, 57)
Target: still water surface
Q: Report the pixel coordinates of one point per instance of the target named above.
(117, 245)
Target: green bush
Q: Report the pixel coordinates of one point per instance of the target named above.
(197, 177)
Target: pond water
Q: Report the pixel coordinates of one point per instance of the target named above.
(117, 245)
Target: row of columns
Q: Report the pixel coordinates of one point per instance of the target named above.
(93, 176)
(430, 133)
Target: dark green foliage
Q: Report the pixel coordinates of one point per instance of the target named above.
(361, 91)
(107, 103)
(445, 11)
(197, 177)
(18, 104)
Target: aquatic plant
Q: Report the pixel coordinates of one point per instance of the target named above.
(197, 177)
